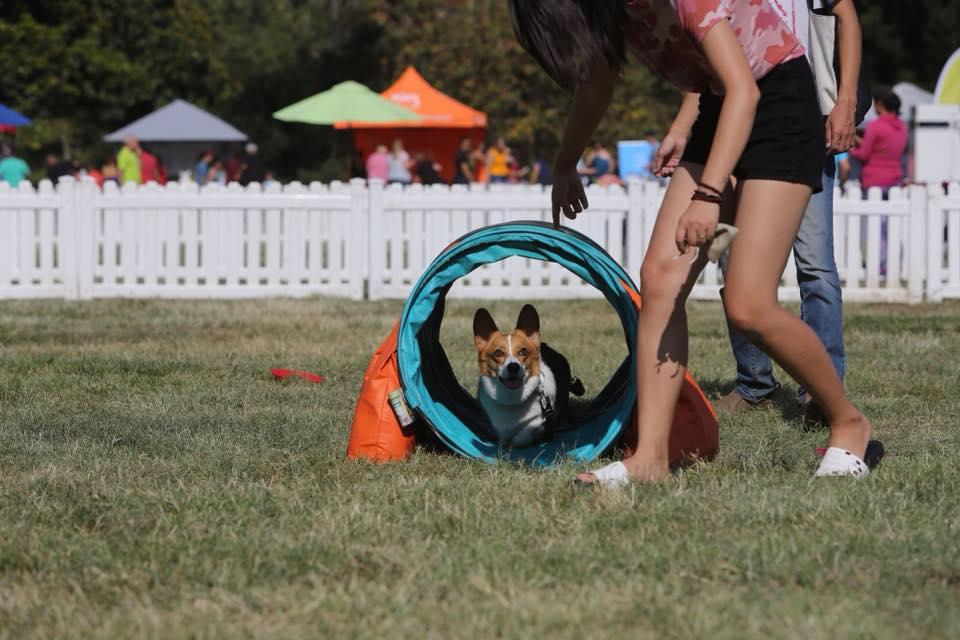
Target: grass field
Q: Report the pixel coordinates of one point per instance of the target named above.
(155, 482)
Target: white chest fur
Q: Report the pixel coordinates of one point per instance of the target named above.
(515, 414)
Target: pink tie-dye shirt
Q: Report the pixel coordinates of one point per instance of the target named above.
(666, 35)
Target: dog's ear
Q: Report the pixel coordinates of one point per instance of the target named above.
(529, 323)
(483, 328)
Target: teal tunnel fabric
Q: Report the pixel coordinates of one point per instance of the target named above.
(430, 386)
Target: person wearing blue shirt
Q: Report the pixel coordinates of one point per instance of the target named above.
(13, 170)
(201, 170)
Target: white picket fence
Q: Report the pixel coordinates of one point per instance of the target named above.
(357, 241)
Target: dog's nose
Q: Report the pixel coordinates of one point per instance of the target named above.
(513, 368)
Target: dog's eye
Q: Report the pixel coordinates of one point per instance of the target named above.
(498, 354)
(523, 353)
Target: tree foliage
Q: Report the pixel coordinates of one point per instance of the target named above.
(82, 68)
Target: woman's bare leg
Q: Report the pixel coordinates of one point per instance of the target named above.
(665, 283)
(768, 216)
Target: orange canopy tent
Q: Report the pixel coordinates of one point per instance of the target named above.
(444, 123)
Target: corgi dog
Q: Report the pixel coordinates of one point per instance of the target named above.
(524, 384)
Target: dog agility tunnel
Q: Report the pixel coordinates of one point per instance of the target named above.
(433, 392)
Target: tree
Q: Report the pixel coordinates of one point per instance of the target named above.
(467, 49)
(80, 68)
(908, 41)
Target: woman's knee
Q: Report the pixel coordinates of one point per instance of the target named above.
(660, 281)
(747, 311)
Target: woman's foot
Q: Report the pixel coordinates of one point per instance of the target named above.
(851, 433)
(638, 468)
(849, 438)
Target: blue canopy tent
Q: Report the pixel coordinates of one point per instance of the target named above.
(10, 118)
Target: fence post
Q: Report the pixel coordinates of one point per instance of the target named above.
(917, 225)
(634, 227)
(85, 234)
(67, 237)
(358, 236)
(374, 240)
(934, 252)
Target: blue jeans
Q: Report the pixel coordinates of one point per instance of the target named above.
(820, 298)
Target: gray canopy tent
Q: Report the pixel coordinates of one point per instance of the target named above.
(179, 132)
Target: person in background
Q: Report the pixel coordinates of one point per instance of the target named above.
(608, 179)
(234, 167)
(110, 172)
(378, 164)
(358, 168)
(599, 162)
(881, 150)
(57, 167)
(427, 170)
(217, 173)
(646, 151)
(128, 161)
(92, 171)
(268, 179)
(398, 165)
(252, 165)
(161, 171)
(498, 162)
(518, 172)
(202, 169)
(540, 173)
(149, 168)
(13, 170)
(462, 171)
(479, 160)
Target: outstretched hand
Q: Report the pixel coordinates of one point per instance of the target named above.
(668, 155)
(567, 195)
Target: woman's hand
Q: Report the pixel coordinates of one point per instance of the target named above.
(567, 195)
(697, 225)
(840, 127)
(668, 155)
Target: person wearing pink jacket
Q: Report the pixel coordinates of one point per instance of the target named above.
(884, 141)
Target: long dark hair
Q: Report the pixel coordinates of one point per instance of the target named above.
(889, 100)
(568, 37)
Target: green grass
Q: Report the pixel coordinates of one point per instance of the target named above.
(155, 482)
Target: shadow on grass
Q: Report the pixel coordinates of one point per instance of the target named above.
(784, 398)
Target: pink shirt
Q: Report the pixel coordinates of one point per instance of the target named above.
(666, 35)
(881, 152)
(377, 166)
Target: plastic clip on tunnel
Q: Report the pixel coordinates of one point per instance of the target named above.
(431, 388)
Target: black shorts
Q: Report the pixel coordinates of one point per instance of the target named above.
(787, 141)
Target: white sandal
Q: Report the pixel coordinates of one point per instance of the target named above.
(840, 462)
(613, 475)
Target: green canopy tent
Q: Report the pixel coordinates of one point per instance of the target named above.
(345, 102)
